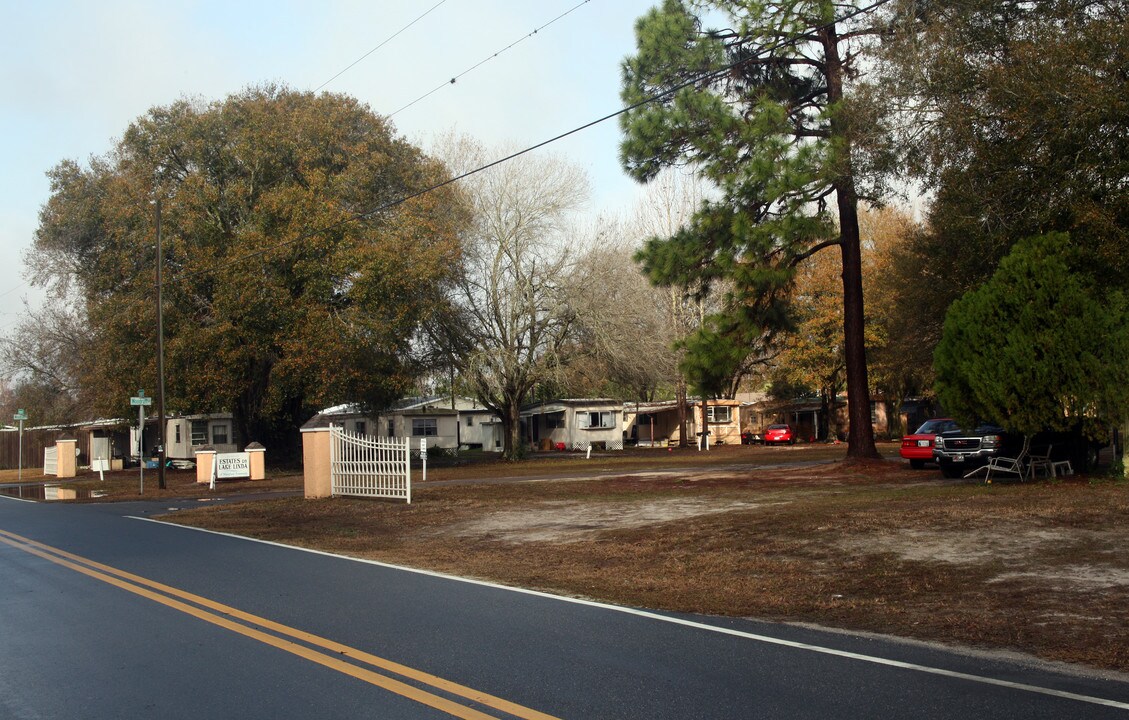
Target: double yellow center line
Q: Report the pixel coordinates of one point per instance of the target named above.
(413, 682)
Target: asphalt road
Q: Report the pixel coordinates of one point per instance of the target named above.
(105, 613)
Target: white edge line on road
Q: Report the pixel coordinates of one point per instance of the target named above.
(679, 621)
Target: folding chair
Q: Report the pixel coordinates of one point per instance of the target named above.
(1013, 466)
(1041, 462)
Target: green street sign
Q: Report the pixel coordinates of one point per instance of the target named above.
(142, 400)
(21, 414)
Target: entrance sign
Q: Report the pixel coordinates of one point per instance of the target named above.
(232, 465)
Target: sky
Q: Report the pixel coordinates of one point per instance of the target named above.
(76, 74)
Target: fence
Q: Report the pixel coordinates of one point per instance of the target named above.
(368, 466)
(583, 445)
(34, 441)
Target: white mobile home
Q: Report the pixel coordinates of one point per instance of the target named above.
(574, 424)
(416, 418)
(480, 429)
(185, 434)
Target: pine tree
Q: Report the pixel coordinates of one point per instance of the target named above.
(773, 126)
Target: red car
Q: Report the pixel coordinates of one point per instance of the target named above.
(918, 447)
(779, 434)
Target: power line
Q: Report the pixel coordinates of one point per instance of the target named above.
(452, 81)
(9, 292)
(646, 101)
(382, 44)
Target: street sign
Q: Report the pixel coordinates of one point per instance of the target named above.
(19, 417)
(140, 401)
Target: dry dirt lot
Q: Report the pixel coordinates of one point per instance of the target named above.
(1041, 568)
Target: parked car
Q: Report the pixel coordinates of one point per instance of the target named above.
(917, 447)
(780, 433)
(748, 437)
(960, 451)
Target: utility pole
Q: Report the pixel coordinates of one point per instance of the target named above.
(160, 360)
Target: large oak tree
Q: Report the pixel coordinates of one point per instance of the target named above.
(1014, 117)
(294, 276)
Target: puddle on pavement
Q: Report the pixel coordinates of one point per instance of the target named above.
(41, 491)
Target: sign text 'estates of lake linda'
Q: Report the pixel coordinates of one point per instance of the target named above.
(233, 465)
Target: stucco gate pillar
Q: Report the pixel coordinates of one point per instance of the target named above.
(257, 458)
(316, 470)
(205, 460)
(67, 466)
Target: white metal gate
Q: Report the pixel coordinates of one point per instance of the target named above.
(51, 461)
(369, 466)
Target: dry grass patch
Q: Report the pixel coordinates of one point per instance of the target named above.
(1041, 568)
(660, 461)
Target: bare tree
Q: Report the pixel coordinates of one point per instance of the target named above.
(621, 324)
(672, 199)
(668, 207)
(44, 357)
(512, 298)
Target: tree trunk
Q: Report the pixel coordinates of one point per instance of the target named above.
(511, 429)
(894, 425)
(705, 433)
(246, 422)
(683, 428)
(860, 439)
(826, 407)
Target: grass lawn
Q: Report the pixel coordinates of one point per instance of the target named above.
(470, 467)
(1039, 567)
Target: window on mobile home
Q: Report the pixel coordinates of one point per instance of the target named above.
(199, 432)
(718, 413)
(425, 427)
(595, 420)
